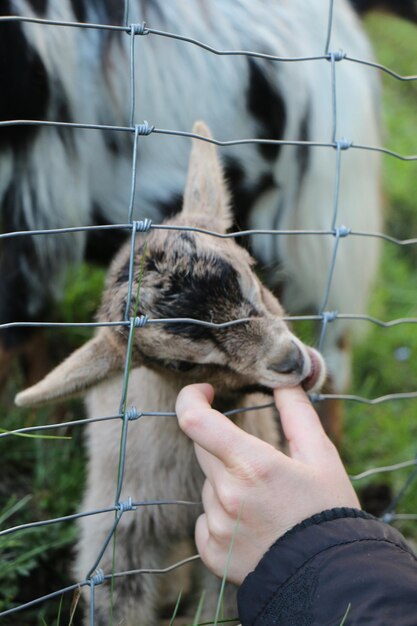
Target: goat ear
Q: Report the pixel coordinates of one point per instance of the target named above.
(205, 191)
(82, 369)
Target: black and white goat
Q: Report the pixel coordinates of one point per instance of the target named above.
(178, 273)
(52, 178)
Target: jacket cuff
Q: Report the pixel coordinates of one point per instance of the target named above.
(299, 545)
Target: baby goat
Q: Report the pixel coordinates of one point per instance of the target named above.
(182, 274)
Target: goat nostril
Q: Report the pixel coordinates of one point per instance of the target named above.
(291, 363)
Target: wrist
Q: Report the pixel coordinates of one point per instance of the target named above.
(310, 554)
(326, 516)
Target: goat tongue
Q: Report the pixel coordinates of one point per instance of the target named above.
(312, 378)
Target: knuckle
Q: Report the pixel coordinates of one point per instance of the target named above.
(255, 471)
(230, 499)
(189, 420)
(217, 530)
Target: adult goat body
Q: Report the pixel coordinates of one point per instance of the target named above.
(60, 177)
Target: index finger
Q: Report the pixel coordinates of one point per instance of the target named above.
(301, 424)
(210, 429)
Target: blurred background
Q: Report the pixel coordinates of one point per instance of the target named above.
(43, 477)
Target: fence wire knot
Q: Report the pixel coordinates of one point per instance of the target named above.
(344, 144)
(126, 506)
(145, 128)
(138, 29)
(140, 321)
(133, 414)
(329, 316)
(387, 518)
(342, 231)
(143, 226)
(97, 578)
(337, 55)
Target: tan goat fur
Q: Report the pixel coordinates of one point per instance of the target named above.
(182, 274)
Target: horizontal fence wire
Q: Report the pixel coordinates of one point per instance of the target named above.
(204, 231)
(142, 29)
(126, 415)
(217, 142)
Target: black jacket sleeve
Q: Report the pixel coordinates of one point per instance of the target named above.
(337, 563)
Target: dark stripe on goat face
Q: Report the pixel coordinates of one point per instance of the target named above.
(26, 90)
(204, 288)
(268, 107)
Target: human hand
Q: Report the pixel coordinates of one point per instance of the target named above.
(253, 493)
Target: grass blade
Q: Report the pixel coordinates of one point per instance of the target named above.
(31, 436)
(229, 556)
(345, 615)
(177, 606)
(196, 621)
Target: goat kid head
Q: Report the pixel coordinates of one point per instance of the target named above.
(184, 274)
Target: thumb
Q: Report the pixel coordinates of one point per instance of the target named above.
(301, 425)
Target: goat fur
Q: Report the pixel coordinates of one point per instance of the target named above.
(69, 177)
(262, 353)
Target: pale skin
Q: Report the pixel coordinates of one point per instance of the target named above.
(253, 493)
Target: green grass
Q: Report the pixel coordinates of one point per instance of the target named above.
(387, 433)
(395, 43)
(46, 476)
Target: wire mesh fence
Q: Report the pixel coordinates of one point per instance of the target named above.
(336, 232)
